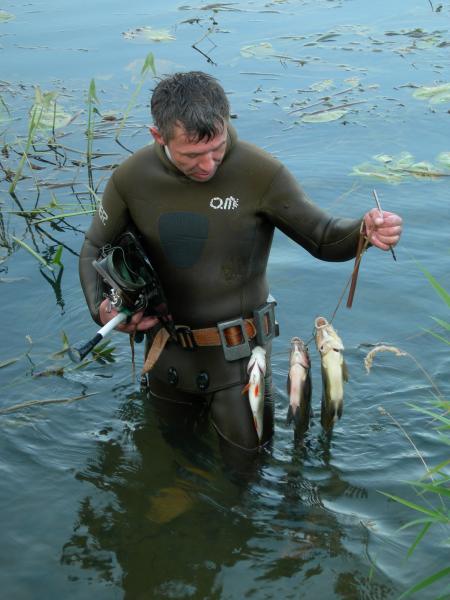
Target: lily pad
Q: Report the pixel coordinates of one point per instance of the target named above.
(444, 159)
(49, 114)
(324, 117)
(434, 94)
(320, 86)
(394, 169)
(148, 34)
(262, 50)
(6, 16)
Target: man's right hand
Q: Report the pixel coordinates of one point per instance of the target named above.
(137, 321)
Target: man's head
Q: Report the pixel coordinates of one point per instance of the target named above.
(194, 100)
(190, 113)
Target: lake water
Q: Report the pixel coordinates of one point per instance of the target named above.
(97, 499)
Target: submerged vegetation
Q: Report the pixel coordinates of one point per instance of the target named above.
(433, 489)
(53, 185)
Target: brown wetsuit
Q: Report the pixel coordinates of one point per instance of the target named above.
(209, 242)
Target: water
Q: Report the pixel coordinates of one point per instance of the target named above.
(100, 501)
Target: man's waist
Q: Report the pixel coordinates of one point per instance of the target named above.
(233, 334)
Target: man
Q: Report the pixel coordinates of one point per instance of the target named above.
(205, 205)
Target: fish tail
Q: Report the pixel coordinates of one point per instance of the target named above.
(258, 433)
(330, 414)
(290, 415)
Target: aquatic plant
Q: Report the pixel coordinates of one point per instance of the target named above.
(149, 64)
(92, 100)
(398, 168)
(434, 484)
(43, 101)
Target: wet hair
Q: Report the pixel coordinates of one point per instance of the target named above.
(194, 100)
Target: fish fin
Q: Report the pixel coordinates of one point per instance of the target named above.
(256, 429)
(257, 389)
(344, 370)
(290, 415)
(245, 388)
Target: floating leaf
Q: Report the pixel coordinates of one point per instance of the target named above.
(148, 34)
(377, 172)
(444, 159)
(262, 50)
(324, 117)
(326, 84)
(434, 94)
(394, 169)
(5, 16)
(32, 252)
(54, 118)
(47, 113)
(353, 81)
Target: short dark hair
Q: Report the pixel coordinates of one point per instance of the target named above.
(193, 99)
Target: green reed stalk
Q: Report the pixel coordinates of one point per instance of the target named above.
(92, 100)
(36, 115)
(149, 64)
(439, 478)
(32, 252)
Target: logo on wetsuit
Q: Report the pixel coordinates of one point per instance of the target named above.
(229, 203)
(102, 214)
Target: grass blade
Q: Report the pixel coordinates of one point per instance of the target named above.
(431, 513)
(33, 253)
(426, 582)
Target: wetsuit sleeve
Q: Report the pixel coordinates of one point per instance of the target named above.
(325, 237)
(110, 220)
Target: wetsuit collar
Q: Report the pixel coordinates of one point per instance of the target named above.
(164, 154)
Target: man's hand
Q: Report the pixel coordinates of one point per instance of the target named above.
(137, 322)
(382, 229)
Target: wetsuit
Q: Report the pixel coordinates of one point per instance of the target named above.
(209, 243)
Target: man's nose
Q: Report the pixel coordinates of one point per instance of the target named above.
(207, 162)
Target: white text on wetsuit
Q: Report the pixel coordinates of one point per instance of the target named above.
(229, 203)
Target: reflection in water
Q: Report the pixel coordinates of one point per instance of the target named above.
(162, 519)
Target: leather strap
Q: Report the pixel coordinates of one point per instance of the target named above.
(363, 243)
(190, 338)
(210, 336)
(159, 342)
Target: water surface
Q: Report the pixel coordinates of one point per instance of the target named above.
(99, 499)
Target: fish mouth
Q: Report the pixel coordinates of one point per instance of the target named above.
(320, 322)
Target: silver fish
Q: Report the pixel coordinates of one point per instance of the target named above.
(334, 372)
(256, 370)
(299, 385)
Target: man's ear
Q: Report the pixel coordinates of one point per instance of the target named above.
(157, 136)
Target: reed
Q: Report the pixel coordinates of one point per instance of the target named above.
(149, 64)
(92, 100)
(435, 483)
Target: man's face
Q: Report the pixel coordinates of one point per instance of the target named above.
(198, 160)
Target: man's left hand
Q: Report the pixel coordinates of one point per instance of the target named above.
(382, 229)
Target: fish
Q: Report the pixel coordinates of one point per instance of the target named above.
(256, 370)
(168, 504)
(299, 385)
(334, 372)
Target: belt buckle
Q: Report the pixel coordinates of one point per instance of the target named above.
(185, 337)
(264, 318)
(238, 351)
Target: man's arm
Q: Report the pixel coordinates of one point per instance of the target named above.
(325, 237)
